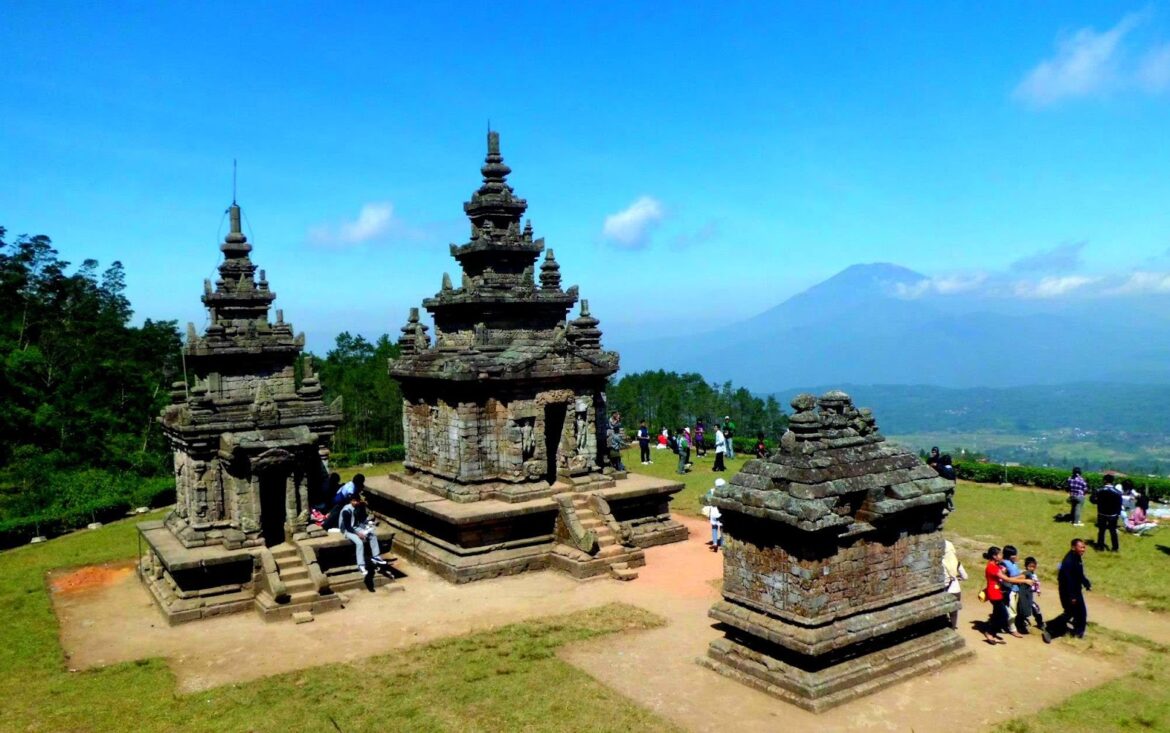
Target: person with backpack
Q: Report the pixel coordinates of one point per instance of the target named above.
(358, 528)
(1108, 501)
(1077, 488)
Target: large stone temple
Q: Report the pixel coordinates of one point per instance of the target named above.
(833, 585)
(505, 419)
(249, 449)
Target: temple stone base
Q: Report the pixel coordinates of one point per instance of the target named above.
(467, 541)
(800, 681)
(191, 583)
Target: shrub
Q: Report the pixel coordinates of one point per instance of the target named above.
(387, 454)
(1051, 478)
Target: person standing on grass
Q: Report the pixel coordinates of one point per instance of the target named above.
(1077, 488)
(1108, 501)
(700, 432)
(729, 434)
(682, 439)
(1071, 584)
(644, 443)
(955, 572)
(720, 449)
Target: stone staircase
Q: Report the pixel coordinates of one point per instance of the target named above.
(296, 595)
(590, 541)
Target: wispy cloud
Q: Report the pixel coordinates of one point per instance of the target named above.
(947, 285)
(631, 228)
(373, 221)
(1061, 258)
(1089, 63)
(1052, 287)
(1140, 283)
(702, 235)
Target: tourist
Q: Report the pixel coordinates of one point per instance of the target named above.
(954, 573)
(615, 422)
(328, 492)
(357, 527)
(664, 440)
(700, 433)
(729, 433)
(1029, 605)
(1129, 499)
(932, 459)
(1071, 582)
(720, 449)
(716, 517)
(761, 447)
(1138, 521)
(996, 579)
(1077, 488)
(682, 440)
(644, 443)
(614, 442)
(1011, 569)
(1108, 501)
(349, 490)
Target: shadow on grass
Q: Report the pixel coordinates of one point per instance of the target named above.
(1163, 549)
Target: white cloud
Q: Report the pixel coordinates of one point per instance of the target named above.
(1086, 63)
(1154, 72)
(631, 227)
(1061, 258)
(1090, 63)
(1052, 287)
(374, 220)
(948, 285)
(1143, 282)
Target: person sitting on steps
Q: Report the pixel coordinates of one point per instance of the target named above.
(355, 524)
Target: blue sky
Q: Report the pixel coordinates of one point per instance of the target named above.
(677, 158)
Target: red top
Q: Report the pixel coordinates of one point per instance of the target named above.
(992, 573)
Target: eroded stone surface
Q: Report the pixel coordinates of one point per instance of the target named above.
(833, 582)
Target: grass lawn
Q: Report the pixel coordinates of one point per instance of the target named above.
(998, 515)
(698, 480)
(506, 679)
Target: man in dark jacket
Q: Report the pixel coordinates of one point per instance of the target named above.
(1108, 501)
(1072, 583)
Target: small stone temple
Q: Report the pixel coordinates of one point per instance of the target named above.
(833, 585)
(249, 451)
(505, 419)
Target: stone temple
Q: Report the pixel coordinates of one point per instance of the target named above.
(249, 448)
(505, 420)
(833, 585)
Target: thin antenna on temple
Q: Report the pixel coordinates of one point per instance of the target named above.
(233, 181)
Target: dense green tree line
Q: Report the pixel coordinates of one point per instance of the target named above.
(79, 392)
(672, 400)
(358, 372)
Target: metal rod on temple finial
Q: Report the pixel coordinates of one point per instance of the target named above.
(233, 181)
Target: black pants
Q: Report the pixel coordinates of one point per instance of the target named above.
(999, 617)
(1076, 615)
(718, 462)
(1107, 523)
(644, 451)
(1025, 611)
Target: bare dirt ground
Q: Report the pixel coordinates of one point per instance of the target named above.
(107, 617)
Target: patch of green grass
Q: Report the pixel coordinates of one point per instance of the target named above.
(378, 469)
(999, 515)
(1133, 702)
(505, 679)
(697, 481)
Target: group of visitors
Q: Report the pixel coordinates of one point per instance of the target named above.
(349, 516)
(1119, 504)
(684, 443)
(1014, 593)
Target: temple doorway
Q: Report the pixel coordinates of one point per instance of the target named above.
(554, 426)
(272, 503)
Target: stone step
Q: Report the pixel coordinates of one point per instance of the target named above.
(606, 539)
(301, 584)
(612, 551)
(302, 617)
(304, 596)
(295, 572)
(592, 523)
(622, 571)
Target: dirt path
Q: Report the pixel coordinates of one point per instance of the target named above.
(114, 620)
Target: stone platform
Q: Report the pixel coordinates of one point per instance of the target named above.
(466, 541)
(190, 583)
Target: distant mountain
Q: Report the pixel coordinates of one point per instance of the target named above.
(859, 327)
